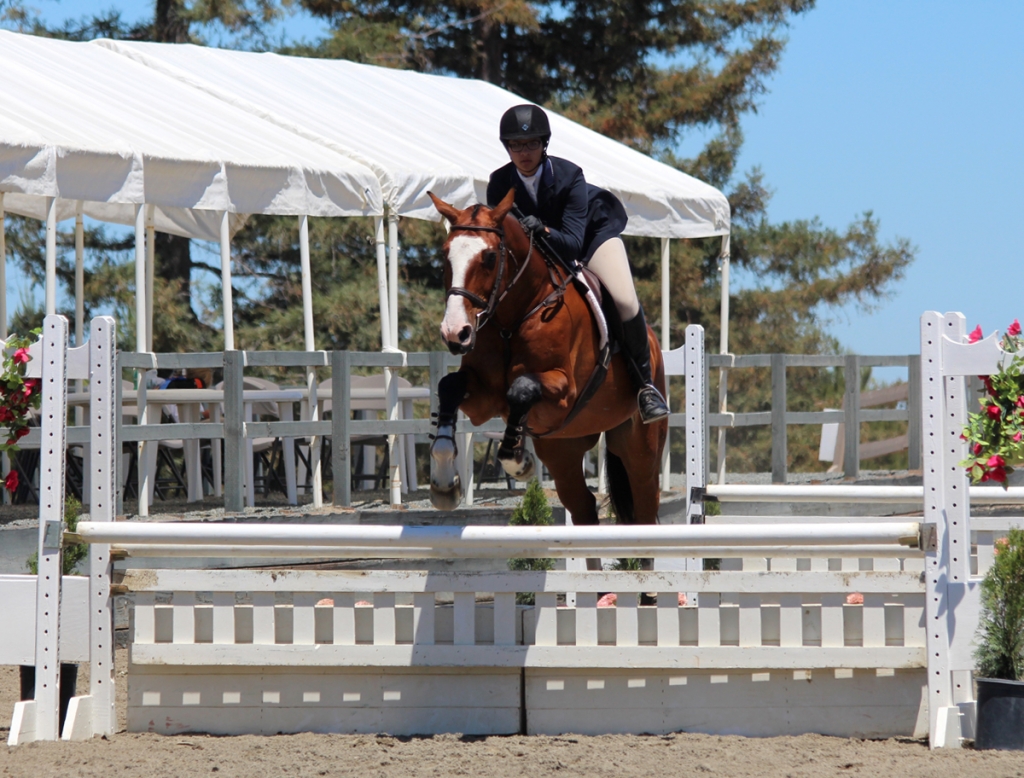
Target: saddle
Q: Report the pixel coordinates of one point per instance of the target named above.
(606, 314)
(602, 308)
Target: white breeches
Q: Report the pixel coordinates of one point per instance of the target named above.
(611, 265)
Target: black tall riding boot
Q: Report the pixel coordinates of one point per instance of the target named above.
(638, 359)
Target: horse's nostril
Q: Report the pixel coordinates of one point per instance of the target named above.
(464, 333)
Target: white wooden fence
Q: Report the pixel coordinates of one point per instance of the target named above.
(828, 627)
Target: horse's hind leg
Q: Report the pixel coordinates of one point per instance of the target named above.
(445, 485)
(523, 394)
(564, 460)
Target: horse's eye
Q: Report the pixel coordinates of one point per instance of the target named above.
(490, 257)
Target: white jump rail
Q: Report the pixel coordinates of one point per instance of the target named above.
(868, 493)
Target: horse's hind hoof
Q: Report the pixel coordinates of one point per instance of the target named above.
(447, 499)
(529, 466)
(520, 469)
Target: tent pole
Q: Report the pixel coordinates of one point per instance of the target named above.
(665, 312)
(666, 331)
(310, 340)
(79, 276)
(140, 278)
(79, 298)
(225, 281)
(382, 283)
(51, 255)
(140, 346)
(723, 348)
(3, 270)
(390, 377)
(393, 275)
(150, 273)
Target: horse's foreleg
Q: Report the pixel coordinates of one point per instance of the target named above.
(523, 394)
(445, 485)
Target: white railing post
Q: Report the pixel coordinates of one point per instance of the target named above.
(51, 525)
(102, 507)
(944, 723)
(696, 442)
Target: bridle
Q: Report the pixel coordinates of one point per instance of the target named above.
(497, 295)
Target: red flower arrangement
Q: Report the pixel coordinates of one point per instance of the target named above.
(995, 434)
(18, 395)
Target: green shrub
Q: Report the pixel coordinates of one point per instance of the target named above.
(533, 510)
(1000, 651)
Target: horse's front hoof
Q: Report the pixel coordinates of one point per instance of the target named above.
(446, 499)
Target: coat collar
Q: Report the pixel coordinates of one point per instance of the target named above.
(547, 181)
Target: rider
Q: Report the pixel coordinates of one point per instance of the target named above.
(580, 222)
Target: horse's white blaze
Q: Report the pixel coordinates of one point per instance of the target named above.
(461, 252)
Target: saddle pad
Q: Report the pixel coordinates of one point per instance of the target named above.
(595, 284)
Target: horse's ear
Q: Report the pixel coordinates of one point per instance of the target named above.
(447, 211)
(501, 209)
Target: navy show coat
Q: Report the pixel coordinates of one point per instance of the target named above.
(580, 216)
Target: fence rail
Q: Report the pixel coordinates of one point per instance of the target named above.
(851, 416)
(234, 430)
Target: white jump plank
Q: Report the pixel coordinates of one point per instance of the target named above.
(833, 629)
(709, 624)
(166, 580)
(184, 617)
(304, 618)
(547, 620)
(223, 617)
(668, 619)
(505, 619)
(626, 626)
(145, 618)
(791, 622)
(586, 618)
(750, 620)
(384, 618)
(345, 619)
(263, 629)
(423, 605)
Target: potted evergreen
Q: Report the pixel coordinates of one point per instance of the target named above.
(999, 655)
(532, 511)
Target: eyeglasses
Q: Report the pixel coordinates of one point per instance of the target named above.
(526, 145)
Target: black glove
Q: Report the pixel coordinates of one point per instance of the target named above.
(532, 225)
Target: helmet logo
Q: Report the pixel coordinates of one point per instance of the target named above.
(526, 127)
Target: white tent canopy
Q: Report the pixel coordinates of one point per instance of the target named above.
(80, 123)
(430, 133)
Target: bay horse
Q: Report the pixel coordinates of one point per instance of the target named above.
(529, 345)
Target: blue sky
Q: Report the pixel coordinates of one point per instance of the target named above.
(909, 109)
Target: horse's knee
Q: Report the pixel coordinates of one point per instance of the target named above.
(524, 393)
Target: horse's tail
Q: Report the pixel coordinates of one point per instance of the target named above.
(618, 489)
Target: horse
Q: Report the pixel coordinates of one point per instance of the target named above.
(530, 345)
